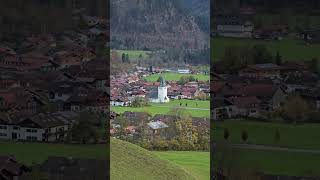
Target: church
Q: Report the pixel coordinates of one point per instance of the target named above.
(159, 95)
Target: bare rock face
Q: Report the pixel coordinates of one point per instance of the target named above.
(154, 24)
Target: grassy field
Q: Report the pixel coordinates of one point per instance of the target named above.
(197, 163)
(129, 161)
(276, 162)
(202, 110)
(289, 49)
(176, 77)
(28, 153)
(295, 136)
(133, 53)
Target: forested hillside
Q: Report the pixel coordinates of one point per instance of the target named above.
(155, 24)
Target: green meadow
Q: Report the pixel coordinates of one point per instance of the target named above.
(197, 163)
(176, 77)
(29, 153)
(273, 162)
(129, 161)
(196, 108)
(289, 49)
(293, 136)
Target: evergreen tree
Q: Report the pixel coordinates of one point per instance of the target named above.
(278, 59)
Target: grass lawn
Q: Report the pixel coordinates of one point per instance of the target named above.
(276, 162)
(289, 49)
(133, 53)
(197, 163)
(129, 161)
(202, 110)
(176, 77)
(38, 152)
(296, 136)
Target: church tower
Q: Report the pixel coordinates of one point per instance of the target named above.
(162, 91)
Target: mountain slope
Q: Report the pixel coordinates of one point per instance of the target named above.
(154, 24)
(130, 162)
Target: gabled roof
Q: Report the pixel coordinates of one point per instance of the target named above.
(157, 125)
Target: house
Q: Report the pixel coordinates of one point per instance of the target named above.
(222, 109)
(42, 127)
(92, 102)
(234, 26)
(297, 81)
(119, 101)
(183, 71)
(246, 106)
(10, 169)
(157, 128)
(136, 118)
(271, 96)
(311, 35)
(268, 70)
(312, 96)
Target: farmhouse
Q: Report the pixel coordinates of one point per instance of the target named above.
(234, 26)
(41, 127)
(261, 71)
(222, 109)
(157, 128)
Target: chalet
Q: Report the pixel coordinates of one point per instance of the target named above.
(271, 96)
(311, 35)
(261, 71)
(157, 128)
(312, 96)
(275, 32)
(297, 81)
(91, 102)
(136, 118)
(41, 127)
(222, 109)
(234, 26)
(246, 106)
(119, 101)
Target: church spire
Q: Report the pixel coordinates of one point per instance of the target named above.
(162, 82)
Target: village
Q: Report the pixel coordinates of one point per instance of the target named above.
(48, 79)
(54, 92)
(263, 88)
(131, 91)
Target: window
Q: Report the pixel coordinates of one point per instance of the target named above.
(32, 130)
(15, 128)
(3, 134)
(3, 127)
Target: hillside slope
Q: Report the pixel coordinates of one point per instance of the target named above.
(130, 162)
(154, 24)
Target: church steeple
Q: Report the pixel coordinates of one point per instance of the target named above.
(162, 82)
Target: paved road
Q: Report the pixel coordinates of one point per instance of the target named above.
(203, 109)
(273, 148)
